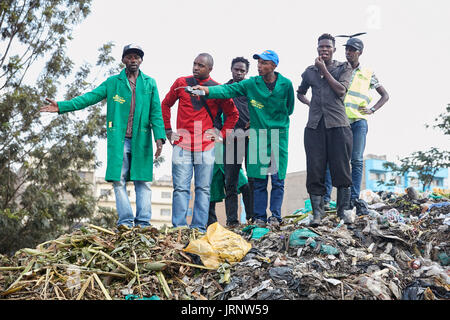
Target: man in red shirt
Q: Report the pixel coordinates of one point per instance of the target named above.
(193, 141)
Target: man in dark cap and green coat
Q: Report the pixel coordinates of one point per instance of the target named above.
(133, 112)
(271, 102)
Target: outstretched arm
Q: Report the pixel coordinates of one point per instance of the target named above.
(51, 107)
(225, 91)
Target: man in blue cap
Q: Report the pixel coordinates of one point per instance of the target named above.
(271, 101)
(357, 108)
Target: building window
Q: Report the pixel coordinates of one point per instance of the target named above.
(436, 183)
(104, 192)
(166, 195)
(414, 182)
(397, 180)
(377, 176)
(165, 212)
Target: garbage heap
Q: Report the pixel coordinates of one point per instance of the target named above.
(396, 248)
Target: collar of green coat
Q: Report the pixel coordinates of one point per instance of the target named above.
(123, 76)
(280, 80)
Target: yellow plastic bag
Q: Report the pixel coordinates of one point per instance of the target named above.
(219, 245)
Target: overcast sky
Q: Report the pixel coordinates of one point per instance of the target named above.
(407, 46)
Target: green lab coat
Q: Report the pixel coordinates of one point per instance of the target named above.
(147, 117)
(269, 121)
(217, 192)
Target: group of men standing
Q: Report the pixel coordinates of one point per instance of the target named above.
(218, 127)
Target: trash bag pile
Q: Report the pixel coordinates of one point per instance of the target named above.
(396, 248)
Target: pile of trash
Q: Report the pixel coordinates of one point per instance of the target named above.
(97, 263)
(396, 248)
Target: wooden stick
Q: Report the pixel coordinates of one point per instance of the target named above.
(27, 268)
(60, 291)
(101, 229)
(85, 285)
(187, 264)
(39, 281)
(136, 270)
(105, 292)
(113, 260)
(85, 269)
(11, 290)
(164, 284)
(56, 291)
(11, 268)
(47, 279)
(90, 260)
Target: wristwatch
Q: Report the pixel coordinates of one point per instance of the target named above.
(372, 109)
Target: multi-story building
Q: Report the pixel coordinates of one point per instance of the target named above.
(375, 172)
(295, 192)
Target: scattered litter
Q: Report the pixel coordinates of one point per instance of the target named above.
(396, 248)
(219, 245)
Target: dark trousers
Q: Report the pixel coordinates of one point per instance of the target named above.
(332, 146)
(235, 150)
(212, 217)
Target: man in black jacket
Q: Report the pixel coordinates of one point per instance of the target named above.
(235, 148)
(328, 137)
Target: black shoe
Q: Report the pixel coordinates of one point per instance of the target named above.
(273, 222)
(318, 208)
(123, 228)
(260, 223)
(233, 225)
(342, 201)
(327, 206)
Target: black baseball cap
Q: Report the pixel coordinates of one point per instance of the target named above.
(133, 48)
(355, 43)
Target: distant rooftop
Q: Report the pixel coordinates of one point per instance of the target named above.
(374, 156)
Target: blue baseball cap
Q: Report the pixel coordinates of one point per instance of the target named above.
(267, 55)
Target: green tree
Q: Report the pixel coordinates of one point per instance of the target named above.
(442, 122)
(425, 163)
(41, 156)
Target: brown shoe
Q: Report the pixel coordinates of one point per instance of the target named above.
(123, 228)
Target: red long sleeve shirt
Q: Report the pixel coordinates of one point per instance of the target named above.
(193, 118)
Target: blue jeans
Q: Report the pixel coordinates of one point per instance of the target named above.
(260, 197)
(359, 129)
(143, 195)
(184, 163)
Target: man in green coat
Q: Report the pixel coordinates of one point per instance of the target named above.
(271, 102)
(133, 112)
